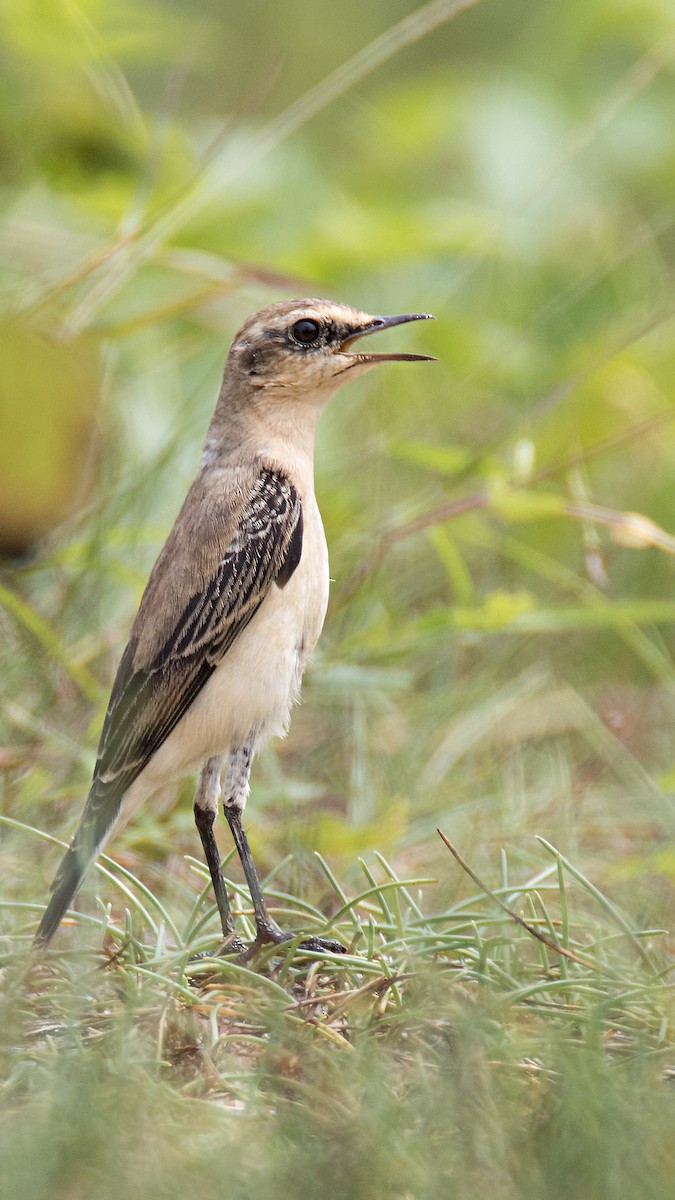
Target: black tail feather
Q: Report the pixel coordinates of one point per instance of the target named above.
(98, 818)
(68, 879)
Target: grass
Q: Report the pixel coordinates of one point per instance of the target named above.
(498, 657)
(442, 1045)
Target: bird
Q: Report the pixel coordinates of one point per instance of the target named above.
(234, 604)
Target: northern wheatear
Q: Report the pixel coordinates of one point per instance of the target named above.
(235, 602)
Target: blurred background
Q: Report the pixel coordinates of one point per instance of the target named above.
(498, 654)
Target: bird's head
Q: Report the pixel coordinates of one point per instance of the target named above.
(305, 347)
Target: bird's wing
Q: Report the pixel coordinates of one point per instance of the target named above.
(148, 700)
(147, 703)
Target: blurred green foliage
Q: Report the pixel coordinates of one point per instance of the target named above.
(498, 657)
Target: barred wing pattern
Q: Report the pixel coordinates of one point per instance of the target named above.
(147, 704)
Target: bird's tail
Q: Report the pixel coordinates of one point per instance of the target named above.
(68, 879)
(90, 835)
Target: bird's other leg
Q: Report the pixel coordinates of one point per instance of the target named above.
(205, 810)
(235, 794)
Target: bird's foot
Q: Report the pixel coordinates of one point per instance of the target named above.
(268, 934)
(231, 945)
(271, 934)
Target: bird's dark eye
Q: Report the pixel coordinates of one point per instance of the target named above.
(306, 331)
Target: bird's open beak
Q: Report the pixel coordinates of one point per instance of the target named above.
(374, 326)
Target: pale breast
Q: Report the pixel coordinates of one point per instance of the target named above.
(315, 583)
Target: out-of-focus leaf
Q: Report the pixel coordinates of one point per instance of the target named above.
(48, 401)
(446, 460)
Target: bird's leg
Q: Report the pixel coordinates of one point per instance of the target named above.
(205, 809)
(235, 793)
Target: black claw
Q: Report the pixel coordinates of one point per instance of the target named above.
(318, 944)
(233, 945)
(267, 935)
(272, 935)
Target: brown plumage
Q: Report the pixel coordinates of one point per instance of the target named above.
(235, 602)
